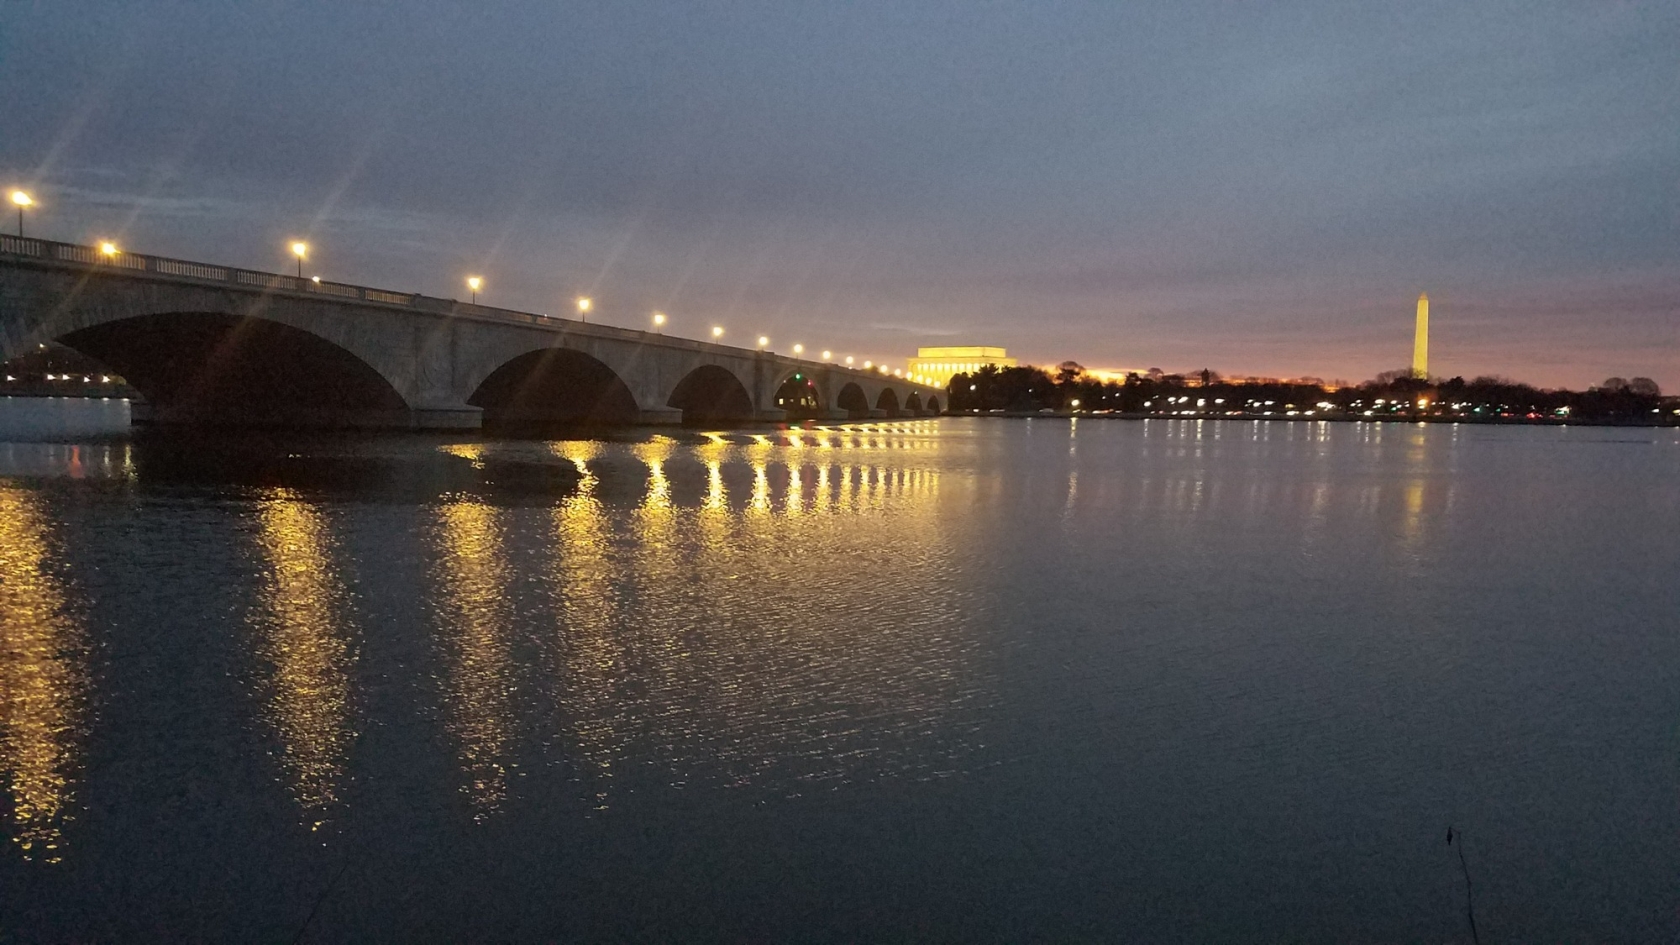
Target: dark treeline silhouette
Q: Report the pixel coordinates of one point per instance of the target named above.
(1390, 394)
(57, 371)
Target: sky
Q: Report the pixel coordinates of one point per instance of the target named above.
(1256, 188)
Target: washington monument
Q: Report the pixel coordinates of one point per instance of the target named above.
(1420, 341)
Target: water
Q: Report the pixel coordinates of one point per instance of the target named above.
(951, 680)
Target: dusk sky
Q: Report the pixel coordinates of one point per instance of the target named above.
(1258, 188)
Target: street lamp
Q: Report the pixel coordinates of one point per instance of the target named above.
(717, 332)
(828, 355)
(798, 349)
(22, 200)
(658, 320)
(475, 283)
(848, 360)
(866, 365)
(108, 249)
(300, 249)
(763, 342)
(585, 303)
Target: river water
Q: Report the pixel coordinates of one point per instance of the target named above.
(948, 679)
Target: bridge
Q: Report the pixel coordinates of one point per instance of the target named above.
(216, 345)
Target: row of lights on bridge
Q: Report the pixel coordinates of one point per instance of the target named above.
(585, 304)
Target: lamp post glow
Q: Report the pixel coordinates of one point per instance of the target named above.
(717, 332)
(848, 360)
(22, 200)
(763, 342)
(798, 349)
(658, 320)
(828, 355)
(585, 303)
(108, 249)
(474, 283)
(300, 249)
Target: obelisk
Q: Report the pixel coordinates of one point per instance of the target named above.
(1420, 341)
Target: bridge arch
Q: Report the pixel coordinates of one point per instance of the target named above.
(933, 405)
(799, 395)
(913, 403)
(553, 387)
(711, 394)
(854, 401)
(887, 402)
(216, 368)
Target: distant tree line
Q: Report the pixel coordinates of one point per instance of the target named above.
(57, 371)
(1393, 393)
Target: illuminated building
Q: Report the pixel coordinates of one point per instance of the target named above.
(1420, 341)
(939, 364)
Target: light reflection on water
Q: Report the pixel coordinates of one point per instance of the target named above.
(474, 628)
(307, 638)
(43, 681)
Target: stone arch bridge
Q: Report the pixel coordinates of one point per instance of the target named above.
(217, 345)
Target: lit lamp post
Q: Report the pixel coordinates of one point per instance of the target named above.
(22, 200)
(300, 249)
(828, 355)
(658, 320)
(798, 350)
(585, 303)
(474, 283)
(848, 360)
(108, 249)
(763, 342)
(717, 332)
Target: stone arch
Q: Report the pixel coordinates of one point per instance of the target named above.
(854, 401)
(214, 368)
(711, 394)
(798, 396)
(553, 387)
(913, 403)
(933, 405)
(887, 402)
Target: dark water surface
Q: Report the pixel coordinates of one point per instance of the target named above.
(921, 680)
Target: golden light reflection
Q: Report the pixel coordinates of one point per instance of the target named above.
(589, 610)
(474, 625)
(308, 646)
(43, 683)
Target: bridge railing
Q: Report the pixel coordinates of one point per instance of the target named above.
(203, 272)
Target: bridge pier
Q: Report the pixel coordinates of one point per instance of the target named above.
(659, 416)
(448, 418)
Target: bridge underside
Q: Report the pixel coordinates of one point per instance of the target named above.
(550, 389)
(215, 369)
